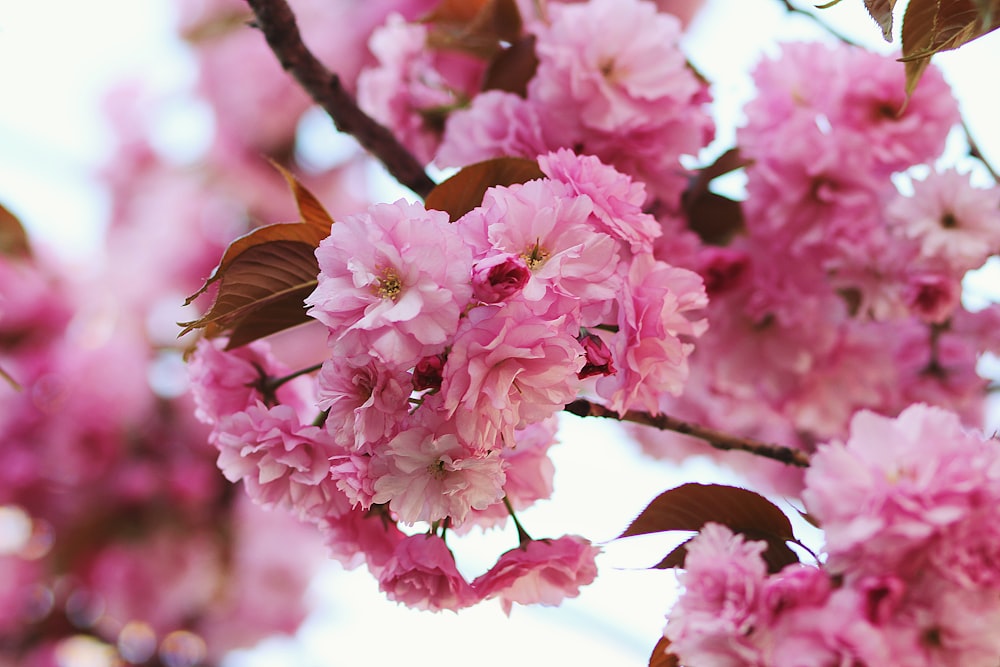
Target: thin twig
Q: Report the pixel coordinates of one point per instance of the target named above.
(717, 439)
(276, 20)
(792, 9)
(978, 154)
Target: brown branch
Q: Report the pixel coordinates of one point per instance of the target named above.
(717, 439)
(276, 20)
(792, 9)
(976, 153)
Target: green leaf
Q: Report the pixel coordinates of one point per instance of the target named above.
(661, 656)
(265, 275)
(930, 26)
(13, 238)
(464, 191)
(691, 506)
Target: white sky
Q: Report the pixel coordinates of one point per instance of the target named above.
(56, 56)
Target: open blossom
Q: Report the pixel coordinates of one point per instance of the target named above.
(547, 226)
(280, 461)
(495, 124)
(723, 579)
(540, 572)
(426, 474)
(421, 573)
(224, 382)
(508, 368)
(617, 199)
(392, 283)
(654, 335)
(952, 221)
(366, 403)
(901, 489)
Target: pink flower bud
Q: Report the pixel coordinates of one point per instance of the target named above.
(497, 278)
(427, 373)
(599, 361)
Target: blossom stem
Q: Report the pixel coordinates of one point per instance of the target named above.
(276, 20)
(272, 384)
(792, 9)
(717, 439)
(522, 535)
(976, 153)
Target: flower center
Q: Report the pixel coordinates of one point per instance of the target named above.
(949, 221)
(436, 470)
(535, 256)
(389, 285)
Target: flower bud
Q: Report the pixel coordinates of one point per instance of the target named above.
(497, 278)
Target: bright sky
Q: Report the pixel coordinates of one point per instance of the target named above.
(56, 56)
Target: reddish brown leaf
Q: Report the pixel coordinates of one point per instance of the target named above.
(311, 212)
(464, 191)
(675, 558)
(13, 238)
(512, 69)
(691, 506)
(478, 27)
(713, 217)
(661, 657)
(930, 26)
(881, 11)
(263, 279)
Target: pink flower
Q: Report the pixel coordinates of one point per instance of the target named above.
(546, 225)
(366, 404)
(359, 536)
(508, 368)
(498, 277)
(224, 382)
(280, 461)
(540, 572)
(426, 474)
(617, 199)
(392, 283)
(414, 86)
(421, 573)
(953, 221)
(654, 334)
(724, 577)
(900, 489)
(495, 124)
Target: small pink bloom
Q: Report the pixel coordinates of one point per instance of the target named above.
(280, 461)
(366, 403)
(542, 572)
(392, 283)
(421, 573)
(508, 368)
(599, 361)
(498, 277)
(426, 474)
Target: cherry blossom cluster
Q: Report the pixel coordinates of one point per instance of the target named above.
(840, 290)
(452, 346)
(910, 574)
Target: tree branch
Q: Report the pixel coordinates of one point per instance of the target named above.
(276, 20)
(717, 439)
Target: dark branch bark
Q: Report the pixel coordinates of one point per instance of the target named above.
(717, 439)
(276, 20)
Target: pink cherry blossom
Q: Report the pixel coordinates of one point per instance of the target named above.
(654, 334)
(280, 461)
(540, 572)
(617, 199)
(421, 573)
(426, 474)
(953, 221)
(365, 403)
(495, 124)
(392, 283)
(723, 581)
(899, 489)
(508, 368)
(498, 277)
